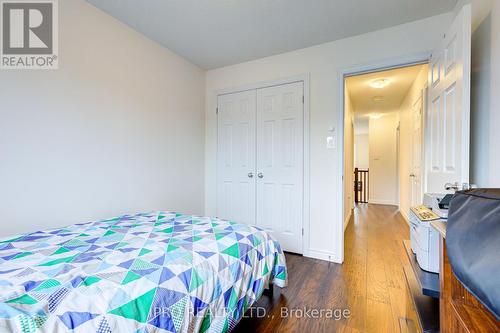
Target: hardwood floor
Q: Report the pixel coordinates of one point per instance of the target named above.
(370, 284)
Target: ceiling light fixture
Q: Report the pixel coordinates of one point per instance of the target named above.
(376, 115)
(379, 83)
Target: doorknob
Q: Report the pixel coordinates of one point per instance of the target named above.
(250, 175)
(412, 175)
(260, 175)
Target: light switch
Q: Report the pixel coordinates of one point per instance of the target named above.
(330, 142)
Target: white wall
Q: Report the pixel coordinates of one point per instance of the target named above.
(406, 122)
(348, 158)
(118, 128)
(323, 63)
(480, 10)
(383, 159)
(361, 160)
(485, 96)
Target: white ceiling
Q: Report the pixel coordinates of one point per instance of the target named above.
(362, 94)
(217, 33)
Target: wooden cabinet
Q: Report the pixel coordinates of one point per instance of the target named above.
(460, 311)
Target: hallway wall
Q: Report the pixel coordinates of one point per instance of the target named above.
(361, 151)
(383, 159)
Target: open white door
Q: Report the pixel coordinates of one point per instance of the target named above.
(416, 154)
(448, 112)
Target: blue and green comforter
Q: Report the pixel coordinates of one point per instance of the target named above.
(153, 272)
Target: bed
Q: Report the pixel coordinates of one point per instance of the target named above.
(149, 272)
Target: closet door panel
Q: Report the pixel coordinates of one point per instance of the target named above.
(280, 155)
(236, 157)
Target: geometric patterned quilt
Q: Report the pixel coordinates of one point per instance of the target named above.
(150, 272)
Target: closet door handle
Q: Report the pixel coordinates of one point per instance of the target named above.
(260, 175)
(250, 175)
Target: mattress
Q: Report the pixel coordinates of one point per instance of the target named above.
(149, 272)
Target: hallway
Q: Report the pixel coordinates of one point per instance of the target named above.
(378, 297)
(370, 284)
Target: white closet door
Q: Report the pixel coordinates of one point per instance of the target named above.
(280, 155)
(236, 157)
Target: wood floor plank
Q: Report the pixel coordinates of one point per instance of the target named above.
(379, 317)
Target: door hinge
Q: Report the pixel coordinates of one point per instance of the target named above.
(303, 99)
(302, 231)
(216, 110)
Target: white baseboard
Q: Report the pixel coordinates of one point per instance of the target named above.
(348, 219)
(322, 255)
(382, 202)
(405, 216)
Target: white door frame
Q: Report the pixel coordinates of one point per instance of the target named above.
(305, 78)
(376, 66)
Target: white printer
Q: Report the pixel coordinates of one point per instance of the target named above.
(424, 238)
(432, 200)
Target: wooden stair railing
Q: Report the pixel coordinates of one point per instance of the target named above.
(361, 185)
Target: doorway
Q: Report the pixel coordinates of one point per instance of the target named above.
(383, 133)
(446, 119)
